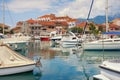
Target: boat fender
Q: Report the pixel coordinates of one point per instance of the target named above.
(16, 46)
(12, 58)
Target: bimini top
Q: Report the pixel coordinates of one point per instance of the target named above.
(114, 33)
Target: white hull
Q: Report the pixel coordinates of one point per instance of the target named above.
(67, 46)
(71, 42)
(56, 38)
(100, 77)
(15, 40)
(16, 69)
(110, 74)
(111, 69)
(99, 45)
(12, 62)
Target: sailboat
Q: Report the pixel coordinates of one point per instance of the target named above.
(104, 44)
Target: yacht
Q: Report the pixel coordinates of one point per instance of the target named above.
(17, 38)
(70, 40)
(103, 44)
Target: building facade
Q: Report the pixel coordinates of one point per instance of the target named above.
(45, 24)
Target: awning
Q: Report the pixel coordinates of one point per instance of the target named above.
(113, 33)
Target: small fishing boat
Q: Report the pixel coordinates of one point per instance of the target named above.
(12, 62)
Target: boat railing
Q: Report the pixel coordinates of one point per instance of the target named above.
(115, 61)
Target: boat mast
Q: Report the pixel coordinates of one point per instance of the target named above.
(3, 16)
(88, 16)
(106, 10)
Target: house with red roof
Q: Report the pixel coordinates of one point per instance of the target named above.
(65, 21)
(6, 28)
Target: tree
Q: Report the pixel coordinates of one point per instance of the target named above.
(11, 32)
(1, 29)
(93, 29)
(76, 30)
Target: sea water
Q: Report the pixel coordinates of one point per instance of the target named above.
(59, 63)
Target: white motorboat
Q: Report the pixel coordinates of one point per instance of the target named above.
(12, 62)
(17, 38)
(69, 40)
(110, 70)
(2, 36)
(56, 35)
(56, 38)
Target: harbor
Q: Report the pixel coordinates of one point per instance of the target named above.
(60, 40)
(58, 63)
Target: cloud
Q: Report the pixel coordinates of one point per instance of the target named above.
(28, 5)
(80, 8)
(73, 8)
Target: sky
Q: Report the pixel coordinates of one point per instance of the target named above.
(22, 10)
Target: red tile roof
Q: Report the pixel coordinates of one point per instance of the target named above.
(49, 15)
(47, 23)
(82, 24)
(31, 21)
(16, 28)
(19, 23)
(72, 20)
(53, 23)
(64, 23)
(1, 25)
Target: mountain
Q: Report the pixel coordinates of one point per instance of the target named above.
(100, 19)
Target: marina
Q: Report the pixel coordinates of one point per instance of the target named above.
(60, 63)
(77, 42)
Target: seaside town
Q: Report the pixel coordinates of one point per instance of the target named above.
(44, 25)
(60, 47)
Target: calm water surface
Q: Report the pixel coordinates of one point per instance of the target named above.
(60, 63)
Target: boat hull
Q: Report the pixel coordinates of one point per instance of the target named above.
(101, 46)
(111, 74)
(100, 77)
(55, 38)
(71, 43)
(45, 39)
(16, 69)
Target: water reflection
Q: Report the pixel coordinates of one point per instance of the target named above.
(60, 63)
(21, 76)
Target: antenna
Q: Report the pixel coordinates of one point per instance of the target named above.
(3, 15)
(106, 10)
